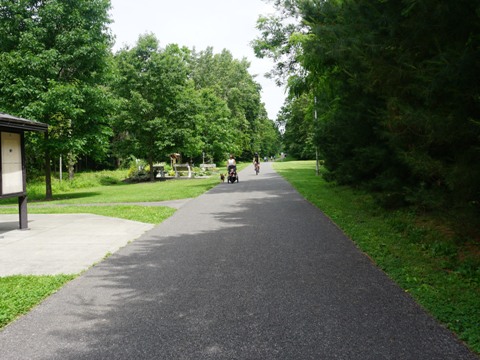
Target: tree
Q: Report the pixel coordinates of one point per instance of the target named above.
(216, 134)
(399, 107)
(151, 81)
(53, 62)
(229, 80)
(269, 135)
(299, 127)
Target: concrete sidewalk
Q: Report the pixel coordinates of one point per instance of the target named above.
(62, 243)
(66, 243)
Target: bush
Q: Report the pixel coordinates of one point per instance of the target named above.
(139, 171)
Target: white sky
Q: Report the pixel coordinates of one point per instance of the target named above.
(221, 24)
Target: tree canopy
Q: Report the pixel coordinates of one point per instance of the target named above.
(149, 82)
(396, 88)
(147, 101)
(53, 61)
(174, 100)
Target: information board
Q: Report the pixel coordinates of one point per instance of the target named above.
(12, 175)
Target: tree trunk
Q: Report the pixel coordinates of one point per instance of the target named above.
(48, 171)
(71, 165)
(152, 175)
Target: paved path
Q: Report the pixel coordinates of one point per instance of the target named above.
(246, 271)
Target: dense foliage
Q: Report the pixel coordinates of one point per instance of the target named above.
(396, 84)
(53, 61)
(57, 67)
(247, 128)
(200, 105)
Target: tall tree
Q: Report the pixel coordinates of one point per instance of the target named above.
(269, 136)
(53, 59)
(299, 127)
(401, 103)
(214, 136)
(231, 81)
(150, 82)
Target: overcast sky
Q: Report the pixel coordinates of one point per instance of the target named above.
(221, 24)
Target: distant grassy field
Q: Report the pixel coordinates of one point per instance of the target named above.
(107, 187)
(418, 251)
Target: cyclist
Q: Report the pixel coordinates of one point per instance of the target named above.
(256, 163)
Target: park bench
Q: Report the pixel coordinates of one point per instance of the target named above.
(159, 169)
(182, 167)
(207, 166)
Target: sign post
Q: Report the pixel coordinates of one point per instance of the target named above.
(13, 173)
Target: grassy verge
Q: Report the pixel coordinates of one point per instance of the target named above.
(109, 187)
(18, 294)
(146, 214)
(121, 192)
(439, 268)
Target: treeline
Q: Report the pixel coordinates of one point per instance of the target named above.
(395, 85)
(147, 101)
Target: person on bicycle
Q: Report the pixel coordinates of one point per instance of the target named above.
(256, 162)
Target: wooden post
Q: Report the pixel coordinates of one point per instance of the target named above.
(48, 171)
(22, 199)
(22, 210)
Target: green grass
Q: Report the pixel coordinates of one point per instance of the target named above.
(18, 294)
(108, 187)
(438, 267)
(141, 192)
(145, 214)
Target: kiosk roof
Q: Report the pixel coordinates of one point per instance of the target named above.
(13, 122)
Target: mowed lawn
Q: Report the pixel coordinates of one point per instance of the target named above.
(141, 192)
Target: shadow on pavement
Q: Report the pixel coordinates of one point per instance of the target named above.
(236, 276)
(6, 226)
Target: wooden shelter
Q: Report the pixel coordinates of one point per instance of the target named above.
(13, 179)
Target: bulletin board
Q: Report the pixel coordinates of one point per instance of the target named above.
(11, 163)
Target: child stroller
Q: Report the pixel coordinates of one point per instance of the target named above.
(232, 174)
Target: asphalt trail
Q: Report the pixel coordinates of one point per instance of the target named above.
(246, 271)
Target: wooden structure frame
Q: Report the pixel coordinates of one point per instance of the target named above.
(13, 176)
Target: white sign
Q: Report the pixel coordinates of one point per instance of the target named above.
(12, 174)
